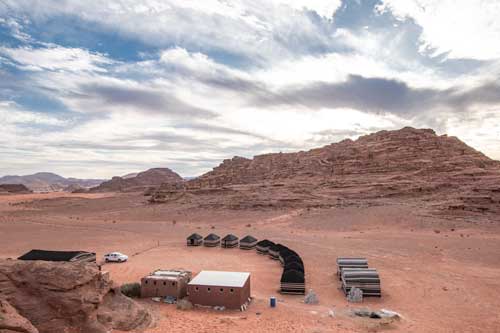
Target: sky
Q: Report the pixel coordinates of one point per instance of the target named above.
(94, 89)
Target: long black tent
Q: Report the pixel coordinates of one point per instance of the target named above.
(69, 256)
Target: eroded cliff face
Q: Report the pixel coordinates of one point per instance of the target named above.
(66, 297)
(407, 164)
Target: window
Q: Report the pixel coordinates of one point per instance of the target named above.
(231, 290)
(154, 282)
(164, 283)
(173, 284)
(221, 290)
(196, 289)
(208, 289)
(146, 282)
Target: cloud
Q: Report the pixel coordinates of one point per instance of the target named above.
(468, 29)
(137, 99)
(381, 95)
(55, 57)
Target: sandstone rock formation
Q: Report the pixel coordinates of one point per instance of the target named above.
(11, 321)
(140, 182)
(405, 164)
(65, 297)
(14, 188)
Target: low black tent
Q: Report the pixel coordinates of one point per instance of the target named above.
(263, 246)
(229, 241)
(248, 242)
(70, 256)
(211, 240)
(274, 251)
(194, 240)
(292, 282)
(294, 265)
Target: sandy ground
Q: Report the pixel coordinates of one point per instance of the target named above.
(440, 275)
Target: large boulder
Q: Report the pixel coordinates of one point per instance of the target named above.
(60, 297)
(11, 321)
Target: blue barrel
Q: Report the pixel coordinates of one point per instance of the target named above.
(272, 302)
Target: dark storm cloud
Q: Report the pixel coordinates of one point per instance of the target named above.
(383, 95)
(143, 100)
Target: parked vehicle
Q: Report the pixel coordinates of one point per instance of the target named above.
(115, 257)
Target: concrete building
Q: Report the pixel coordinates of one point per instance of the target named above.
(162, 283)
(215, 288)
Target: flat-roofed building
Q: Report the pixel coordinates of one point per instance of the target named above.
(218, 288)
(163, 283)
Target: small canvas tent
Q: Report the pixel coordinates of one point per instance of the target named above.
(229, 241)
(70, 256)
(211, 240)
(248, 242)
(194, 240)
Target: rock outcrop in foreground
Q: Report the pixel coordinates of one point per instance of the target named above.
(140, 182)
(49, 297)
(404, 164)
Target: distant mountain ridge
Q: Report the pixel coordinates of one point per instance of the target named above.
(48, 182)
(140, 181)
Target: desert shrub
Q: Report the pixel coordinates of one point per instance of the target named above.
(184, 304)
(131, 289)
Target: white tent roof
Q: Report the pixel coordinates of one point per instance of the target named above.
(218, 278)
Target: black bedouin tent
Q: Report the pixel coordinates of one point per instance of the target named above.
(229, 241)
(292, 282)
(211, 240)
(284, 253)
(248, 242)
(70, 256)
(194, 240)
(263, 246)
(294, 265)
(274, 251)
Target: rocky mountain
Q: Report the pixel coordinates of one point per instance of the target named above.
(142, 181)
(407, 164)
(57, 297)
(48, 182)
(14, 188)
